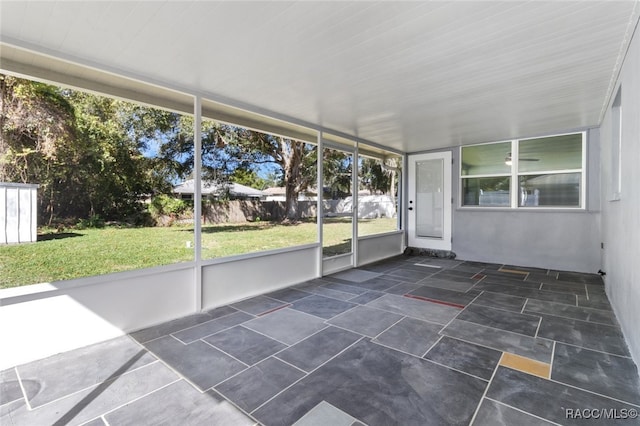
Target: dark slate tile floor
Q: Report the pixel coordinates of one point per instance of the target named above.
(407, 341)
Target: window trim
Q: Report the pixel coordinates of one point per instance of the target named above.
(615, 180)
(515, 175)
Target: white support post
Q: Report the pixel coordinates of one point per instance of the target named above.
(354, 213)
(403, 206)
(320, 202)
(515, 180)
(197, 198)
(400, 184)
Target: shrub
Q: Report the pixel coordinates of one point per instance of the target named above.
(166, 205)
(93, 221)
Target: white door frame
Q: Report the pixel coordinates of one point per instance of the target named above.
(443, 243)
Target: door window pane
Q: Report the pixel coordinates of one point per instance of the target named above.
(429, 198)
(488, 192)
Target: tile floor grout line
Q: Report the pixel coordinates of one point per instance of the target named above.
(586, 290)
(176, 372)
(386, 329)
(326, 320)
(484, 394)
(522, 411)
(497, 329)
(242, 410)
(455, 369)
(103, 415)
(313, 316)
(486, 305)
(24, 391)
(584, 321)
(594, 350)
(595, 393)
(329, 296)
(228, 354)
(440, 337)
(434, 300)
(365, 305)
(249, 313)
(309, 294)
(243, 371)
(398, 350)
(355, 287)
(588, 308)
(103, 421)
(188, 328)
(461, 311)
(501, 309)
(181, 342)
(352, 331)
(289, 345)
(553, 354)
(268, 311)
(211, 334)
(284, 361)
(303, 377)
(507, 331)
(409, 316)
(273, 298)
(538, 327)
(516, 286)
(555, 315)
(113, 379)
(259, 332)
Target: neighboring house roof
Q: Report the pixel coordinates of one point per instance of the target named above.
(275, 190)
(208, 187)
(281, 190)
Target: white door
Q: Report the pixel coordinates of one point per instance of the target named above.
(429, 201)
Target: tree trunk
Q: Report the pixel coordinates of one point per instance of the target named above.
(393, 188)
(292, 180)
(291, 203)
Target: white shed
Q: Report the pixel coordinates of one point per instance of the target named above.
(18, 213)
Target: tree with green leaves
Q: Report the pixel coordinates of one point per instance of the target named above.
(234, 153)
(80, 148)
(38, 141)
(95, 155)
(297, 160)
(380, 175)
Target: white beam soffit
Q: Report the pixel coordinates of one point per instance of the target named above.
(27, 64)
(410, 76)
(230, 115)
(48, 69)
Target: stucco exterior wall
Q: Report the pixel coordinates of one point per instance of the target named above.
(563, 239)
(621, 218)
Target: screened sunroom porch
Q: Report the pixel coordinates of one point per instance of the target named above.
(426, 80)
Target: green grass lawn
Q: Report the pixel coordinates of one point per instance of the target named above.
(81, 253)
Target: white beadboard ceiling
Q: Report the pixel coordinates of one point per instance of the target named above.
(411, 76)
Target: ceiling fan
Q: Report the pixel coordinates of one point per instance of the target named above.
(507, 159)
